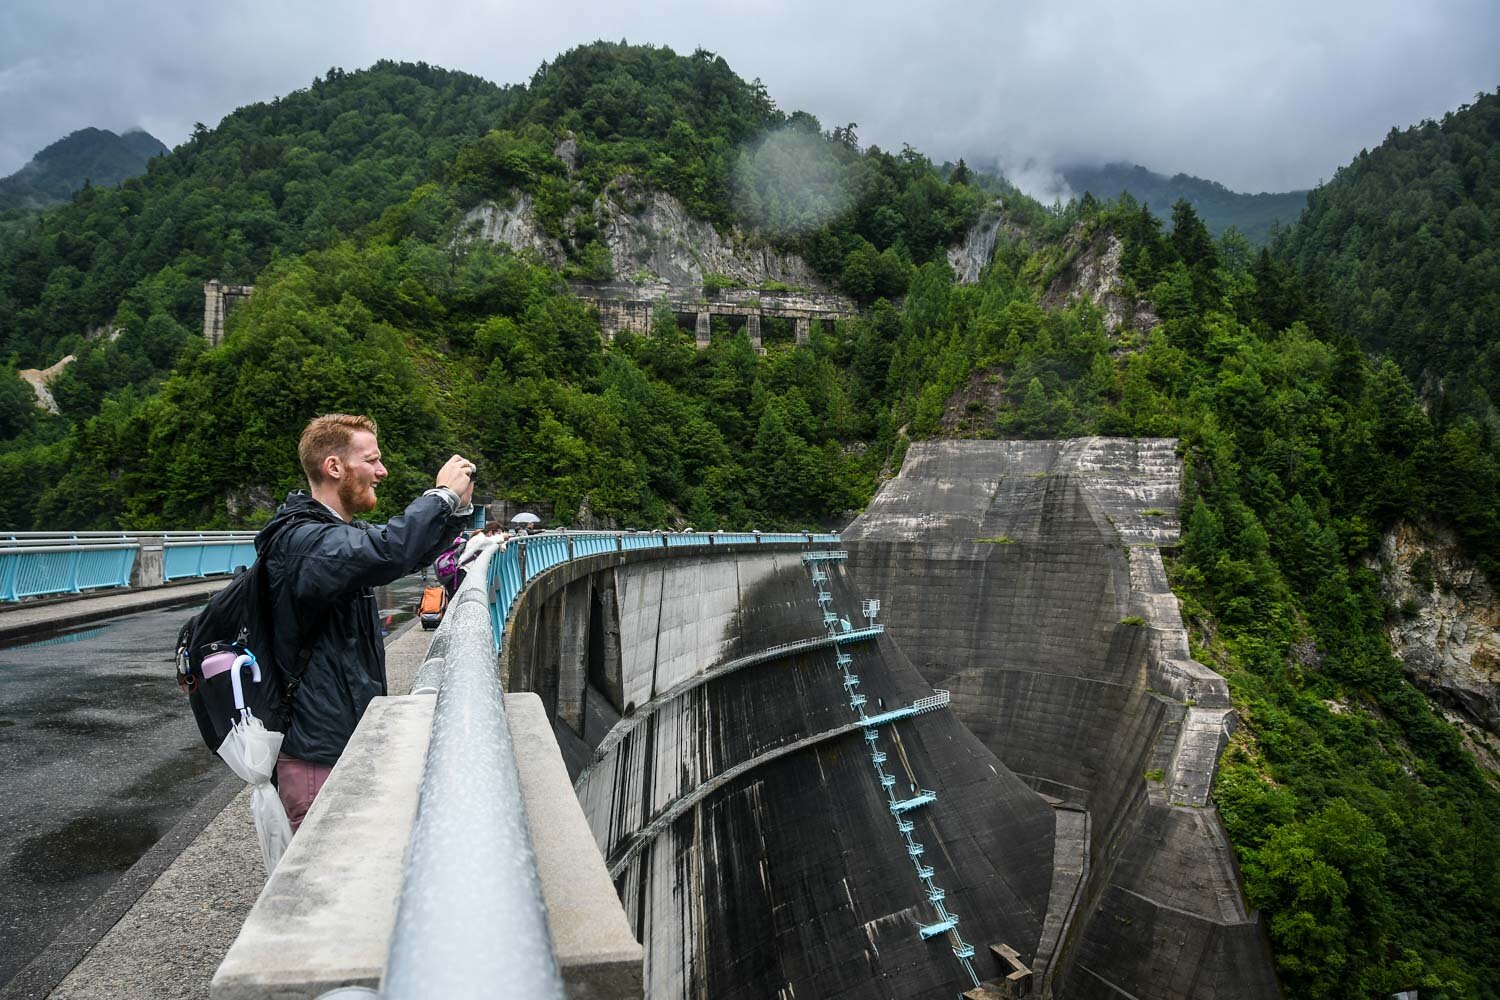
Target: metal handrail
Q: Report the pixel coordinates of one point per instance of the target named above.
(471, 913)
(41, 563)
(37, 570)
(39, 549)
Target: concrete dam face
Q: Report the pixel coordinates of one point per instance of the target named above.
(1025, 577)
(794, 802)
(735, 796)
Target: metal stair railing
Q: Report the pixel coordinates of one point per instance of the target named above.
(947, 923)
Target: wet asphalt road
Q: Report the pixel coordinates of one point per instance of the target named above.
(99, 755)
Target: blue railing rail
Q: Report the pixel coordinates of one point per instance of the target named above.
(35, 563)
(205, 553)
(525, 558)
(42, 563)
(471, 913)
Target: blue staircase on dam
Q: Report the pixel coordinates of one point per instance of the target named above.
(946, 922)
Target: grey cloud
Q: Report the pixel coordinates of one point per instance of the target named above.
(1260, 97)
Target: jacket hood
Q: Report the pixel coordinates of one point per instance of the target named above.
(299, 506)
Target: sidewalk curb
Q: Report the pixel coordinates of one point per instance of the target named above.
(152, 600)
(52, 964)
(47, 970)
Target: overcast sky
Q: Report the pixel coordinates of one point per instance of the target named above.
(1259, 96)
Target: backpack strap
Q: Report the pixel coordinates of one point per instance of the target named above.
(291, 681)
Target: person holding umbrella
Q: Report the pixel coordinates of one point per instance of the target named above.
(323, 569)
(525, 522)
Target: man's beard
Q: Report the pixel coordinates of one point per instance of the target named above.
(356, 499)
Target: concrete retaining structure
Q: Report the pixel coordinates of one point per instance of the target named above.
(631, 307)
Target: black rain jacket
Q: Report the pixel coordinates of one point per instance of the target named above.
(323, 573)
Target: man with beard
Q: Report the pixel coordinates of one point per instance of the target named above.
(323, 570)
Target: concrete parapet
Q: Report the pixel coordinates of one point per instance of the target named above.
(326, 915)
(149, 562)
(598, 955)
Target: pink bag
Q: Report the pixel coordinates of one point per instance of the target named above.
(446, 564)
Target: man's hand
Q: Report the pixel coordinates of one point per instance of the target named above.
(458, 475)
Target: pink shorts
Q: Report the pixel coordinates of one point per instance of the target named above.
(298, 783)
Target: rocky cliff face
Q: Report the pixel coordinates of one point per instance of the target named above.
(1446, 628)
(515, 226)
(652, 239)
(969, 258)
(1093, 272)
(41, 379)
(651, 232)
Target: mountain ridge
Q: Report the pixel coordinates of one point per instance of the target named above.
(1256, 215)
(87, 156)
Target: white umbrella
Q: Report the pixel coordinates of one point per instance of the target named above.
(250, 750)
(525, 518)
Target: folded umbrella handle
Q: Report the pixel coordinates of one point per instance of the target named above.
(245, 659)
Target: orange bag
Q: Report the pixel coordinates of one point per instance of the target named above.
(434, 603)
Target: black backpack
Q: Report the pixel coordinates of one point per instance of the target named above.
(236, 628)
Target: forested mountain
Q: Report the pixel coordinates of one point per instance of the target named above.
(277, 178)
(1254, 215)
(88, 156)
(1404, 243)
(1365, 832)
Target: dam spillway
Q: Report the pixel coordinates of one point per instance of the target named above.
(1057, 802)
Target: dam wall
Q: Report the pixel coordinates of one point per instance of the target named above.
(716, 739)
(1025, 577)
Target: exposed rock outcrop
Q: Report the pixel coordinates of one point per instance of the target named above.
(652, 239)
(969, 258)
(1446, 629)
(652, 232)
(975, 406)
(41, 379)
(1093, 272)
(567, 151)
(515, 226)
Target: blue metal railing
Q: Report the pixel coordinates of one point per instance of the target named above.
(543, 552)
(205, 553)
(31, 571)
(524, 559)
(38, 563)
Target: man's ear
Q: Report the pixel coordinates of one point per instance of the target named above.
(333, 467)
